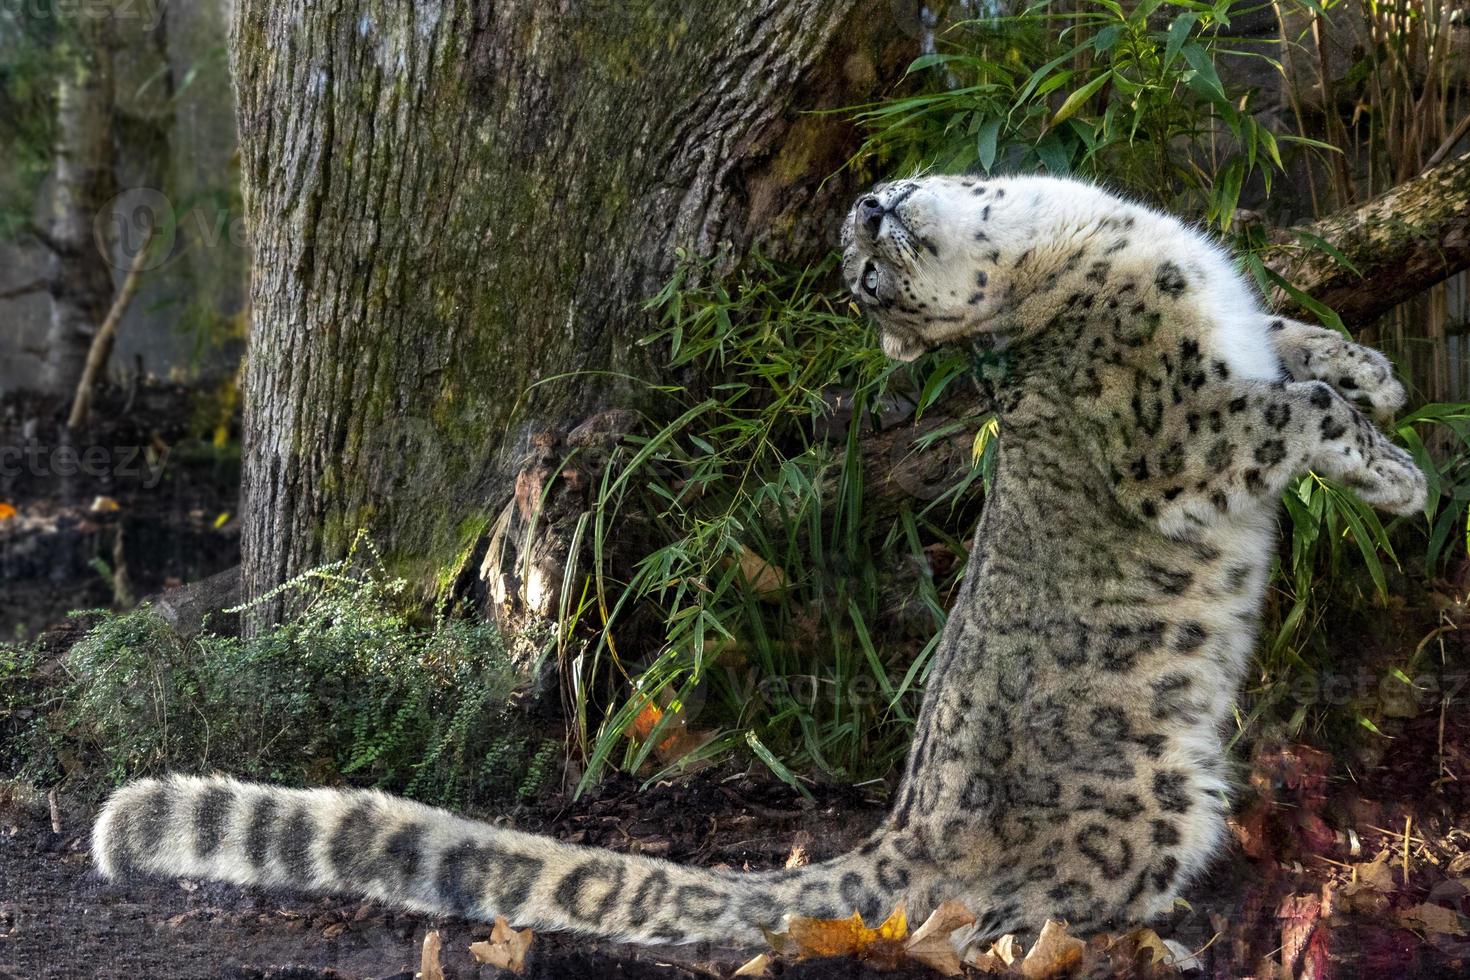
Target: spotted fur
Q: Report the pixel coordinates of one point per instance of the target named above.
(1068, 759)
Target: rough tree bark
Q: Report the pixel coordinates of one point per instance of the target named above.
(78, 275)
(453, 200)
(1401, 243)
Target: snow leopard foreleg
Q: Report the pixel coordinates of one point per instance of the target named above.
(1234, 448)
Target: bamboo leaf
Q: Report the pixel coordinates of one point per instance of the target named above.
(985, 142)
(1079, 98)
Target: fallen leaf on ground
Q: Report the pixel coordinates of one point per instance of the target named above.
(1432, 918)
(429, 968)
(1375, 875)
(764, 579)
(1054, 955)
(506, 947)
(1370, 887)
(7, 511)
(930, 944)
(104, 505)
(1147, 941)
(1004, 953)
(850, 937)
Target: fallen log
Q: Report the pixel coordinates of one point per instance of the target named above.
(1400, 244)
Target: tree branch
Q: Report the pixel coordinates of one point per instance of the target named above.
(44, 238)
(35, 286)
(102, 343)
(1405, 241)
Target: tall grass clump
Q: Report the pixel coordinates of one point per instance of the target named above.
(770, 580)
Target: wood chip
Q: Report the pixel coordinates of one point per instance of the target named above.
(757, 967)
(429, 967)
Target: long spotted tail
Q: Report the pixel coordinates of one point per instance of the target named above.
(413, 856)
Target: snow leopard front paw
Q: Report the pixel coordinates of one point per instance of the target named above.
(1361, 458)
(1392, 482)
(1359, 373)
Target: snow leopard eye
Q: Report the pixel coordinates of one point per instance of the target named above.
(870, 279)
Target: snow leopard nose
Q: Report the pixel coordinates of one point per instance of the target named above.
(870, 213)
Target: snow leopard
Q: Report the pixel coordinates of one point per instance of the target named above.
(1068, 760)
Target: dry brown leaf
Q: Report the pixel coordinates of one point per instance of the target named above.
(764, 579)
(1009, 949)
(1004, 953)
(930, 944)
(757, 967)
(987, 963)
(506, 947)
(1432, 918)
(1375, 875)
(1148, 941)
(1054, 955)
(849, 937)
(429, 967)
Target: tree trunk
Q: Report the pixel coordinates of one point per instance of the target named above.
(452, 201)
(79, 276)
(1401, 243)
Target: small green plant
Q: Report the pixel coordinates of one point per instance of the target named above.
(348, 689)
(27, 747)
